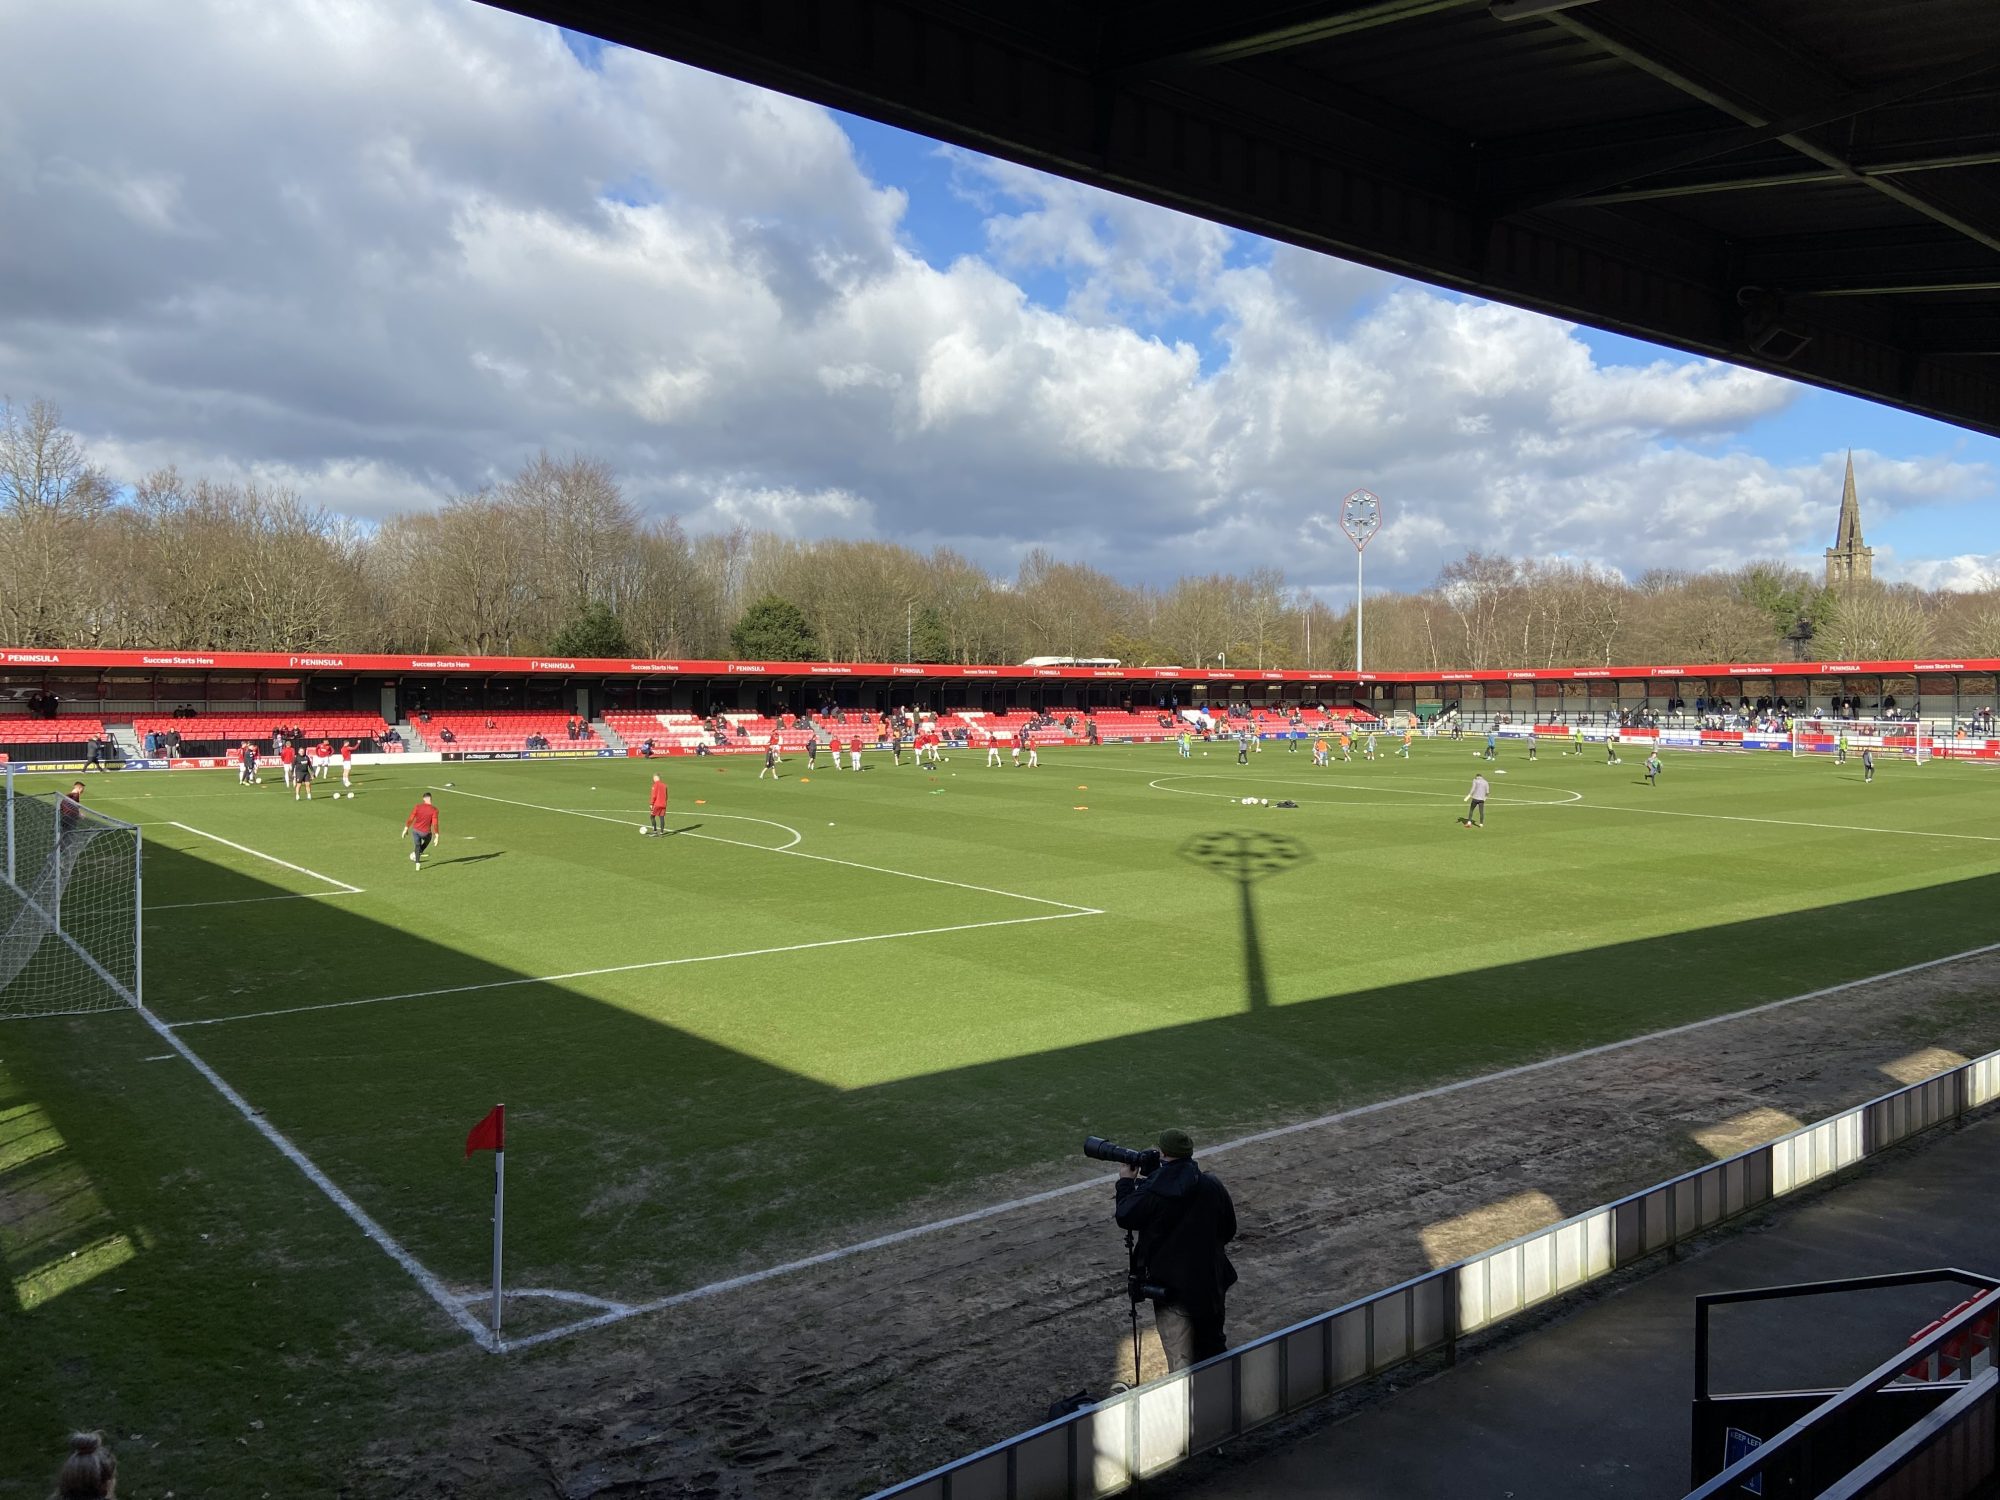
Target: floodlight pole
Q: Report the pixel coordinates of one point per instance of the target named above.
(1360, 518)
(1359, 595)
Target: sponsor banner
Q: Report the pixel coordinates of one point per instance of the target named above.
(1516, 731)
(1766, 740)
(1680, 739)
(397, 665)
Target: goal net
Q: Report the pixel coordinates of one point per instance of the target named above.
(69, 907)
(1887, 738)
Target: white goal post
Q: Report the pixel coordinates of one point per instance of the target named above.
(70, 929)
(1888, 738)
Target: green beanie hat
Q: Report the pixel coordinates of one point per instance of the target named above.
(1176, 1143)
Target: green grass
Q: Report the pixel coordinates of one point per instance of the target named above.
(676, 1123)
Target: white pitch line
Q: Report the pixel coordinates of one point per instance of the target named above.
(254, 900)
(1154, 784)
(352, 890)
(1576, 799)
(657, 963)
(391, 1246)
(852, 864)
(416, 1269)
(625, 820)
(973, 1216)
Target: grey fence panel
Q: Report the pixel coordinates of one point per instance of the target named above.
(984, 1478)
(1261, 1394)
(1043, 1463)
(1215, 1413)
(1138, 1433)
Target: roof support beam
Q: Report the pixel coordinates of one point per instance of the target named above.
(1675, 37)
(1647, 45)
(1770, 175)
(1188, 34)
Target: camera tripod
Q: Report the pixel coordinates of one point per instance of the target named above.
(1136, 1291)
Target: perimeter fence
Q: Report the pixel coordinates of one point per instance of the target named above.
(1106, 1448)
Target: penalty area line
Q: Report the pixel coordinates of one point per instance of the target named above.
(1068, 907)
(994, 1210)
(657, 963)
(254, 900)
(343, 886)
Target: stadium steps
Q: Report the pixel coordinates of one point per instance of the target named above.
(127, 741)
(609, 735)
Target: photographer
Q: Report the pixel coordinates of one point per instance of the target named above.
(1183, 1218)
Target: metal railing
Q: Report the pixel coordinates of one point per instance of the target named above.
(1788, 1457)
(1141, 1432)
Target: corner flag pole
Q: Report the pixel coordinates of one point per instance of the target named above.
(490, 1134)
(499, 1216)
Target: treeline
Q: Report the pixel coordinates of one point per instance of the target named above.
(558, 562)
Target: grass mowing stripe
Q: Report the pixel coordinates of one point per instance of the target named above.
(1069, 907)
(1669, 812)
(352, 890)
(1012, 1205)
(657, 963)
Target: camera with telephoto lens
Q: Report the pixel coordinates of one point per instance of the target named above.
(1146, 1162)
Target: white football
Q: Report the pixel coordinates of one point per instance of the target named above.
(1499, 773)
(644, 831)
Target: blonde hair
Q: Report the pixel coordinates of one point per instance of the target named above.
(90, 1472)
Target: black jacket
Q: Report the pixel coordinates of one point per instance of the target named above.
(1183, 1217)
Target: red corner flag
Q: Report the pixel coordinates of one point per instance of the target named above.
(490, 1134)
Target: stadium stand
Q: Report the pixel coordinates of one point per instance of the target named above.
(218, 733)
(494, 729)
(26, 738)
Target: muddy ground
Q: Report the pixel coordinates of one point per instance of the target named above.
(836, 1381)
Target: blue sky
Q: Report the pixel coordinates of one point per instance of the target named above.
(383, 251)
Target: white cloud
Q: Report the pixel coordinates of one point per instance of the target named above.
(383, 250)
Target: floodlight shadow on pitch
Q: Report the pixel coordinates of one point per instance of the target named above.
(1247, 858)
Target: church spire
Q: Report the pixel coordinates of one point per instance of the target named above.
(1847, 560)
(1848, 538)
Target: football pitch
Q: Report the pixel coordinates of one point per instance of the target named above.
(838, 1006)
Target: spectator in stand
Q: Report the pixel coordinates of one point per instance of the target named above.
(90, 1472)
(447, 736)
(647, 749)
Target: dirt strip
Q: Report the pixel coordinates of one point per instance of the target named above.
(839, 1380)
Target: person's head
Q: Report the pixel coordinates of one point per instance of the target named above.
(90, 1472)
(656, 776)
(76, 789)
(1175, 1145)
(427, 796)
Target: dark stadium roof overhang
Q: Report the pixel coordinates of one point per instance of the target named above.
(1810, 187)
